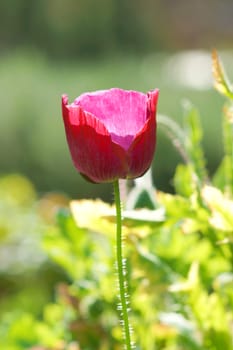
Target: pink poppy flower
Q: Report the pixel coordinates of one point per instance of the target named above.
(111, 133)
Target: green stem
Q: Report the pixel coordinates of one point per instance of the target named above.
(120, 269)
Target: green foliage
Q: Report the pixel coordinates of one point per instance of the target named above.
(179, 250)
(23, 264)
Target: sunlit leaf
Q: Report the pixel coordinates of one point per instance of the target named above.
(191, 281)
(221, 208)
(140, 217)
(176, 207)
(91, 214)
(221, 82)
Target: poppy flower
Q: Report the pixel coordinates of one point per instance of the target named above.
(111, 133)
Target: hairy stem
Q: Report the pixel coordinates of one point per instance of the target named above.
(120, 270)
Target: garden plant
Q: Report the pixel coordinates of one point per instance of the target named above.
(154, 269)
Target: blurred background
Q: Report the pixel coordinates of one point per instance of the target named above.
(50, 47)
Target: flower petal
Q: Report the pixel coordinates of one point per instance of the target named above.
(152, 102)
(123, 112)
(92, 150)
(141, 152)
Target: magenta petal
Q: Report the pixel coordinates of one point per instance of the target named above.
(122, 112)
(92, 150)
(152, 102)
(141, 152)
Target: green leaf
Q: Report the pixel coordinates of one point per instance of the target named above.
(193, 140)
(184, 180)
(228, 150)
(219, 178)
(176, 207)
(154, 262)
(213, 319)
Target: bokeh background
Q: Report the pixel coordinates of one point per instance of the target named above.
(50, 47)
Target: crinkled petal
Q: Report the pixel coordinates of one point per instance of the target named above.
(152, 102)
(141, 152)
(92, 150)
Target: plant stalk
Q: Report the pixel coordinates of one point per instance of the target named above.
(121, 270)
